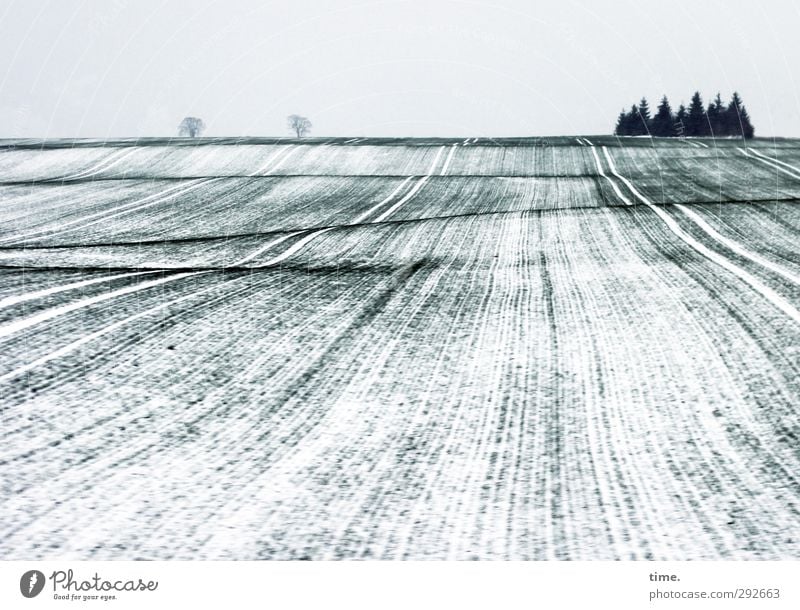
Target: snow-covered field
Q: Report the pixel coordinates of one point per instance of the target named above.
(561, 348)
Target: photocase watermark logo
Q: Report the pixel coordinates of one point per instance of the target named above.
(31, 583)
(67, 586)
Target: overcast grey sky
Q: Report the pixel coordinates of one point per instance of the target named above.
(105, 68)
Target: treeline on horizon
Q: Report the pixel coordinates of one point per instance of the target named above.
(717, 120)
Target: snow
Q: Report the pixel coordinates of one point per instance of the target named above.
(400, 349)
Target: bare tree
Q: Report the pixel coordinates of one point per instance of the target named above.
(300, 125)
(191, 127)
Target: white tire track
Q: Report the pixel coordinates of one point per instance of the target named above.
(709, 230)
(113, 159)
(402, 201)
(264, 248)
(132, 206)
(309, 238)
(49, 314)
(732, 245)
(624, 180)
(366, 214)
(295, 248)
(771, 162)
(765, 291)
(447, 161)
(38, 294)
(283, 155)
(71, 347)
(312, 236)
(613, 184)
(420, 183)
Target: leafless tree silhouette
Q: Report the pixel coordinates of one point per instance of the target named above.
(191, 127)
(300, 125)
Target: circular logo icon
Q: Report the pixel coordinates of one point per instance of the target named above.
(31, 583)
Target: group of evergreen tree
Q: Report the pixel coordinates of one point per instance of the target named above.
(717, 120)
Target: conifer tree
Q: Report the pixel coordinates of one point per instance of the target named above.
(696, 120)
(715, 112)
(644, 116)
(622, 124)
(662, 125)
(635, 126)
(737, 120)
(680, 121)
(629, 123)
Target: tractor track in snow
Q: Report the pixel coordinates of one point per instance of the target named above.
(569, 370)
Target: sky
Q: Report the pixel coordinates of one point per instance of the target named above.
(128, 68)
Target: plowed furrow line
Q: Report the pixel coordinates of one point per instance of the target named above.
(85, 424)
(511, 476)
(438, 453)
(423, 460)
(200, 461)
(315, 432)
(600, 394)
(716, 380)
(624, 420)
(389, 426)
(474, 440)
(225, 441)
(651, 397)
(369, 373)
(410, 441)
(241, 438)
(648, 423)
(624, 474)
(14, 414)
(467, 438)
